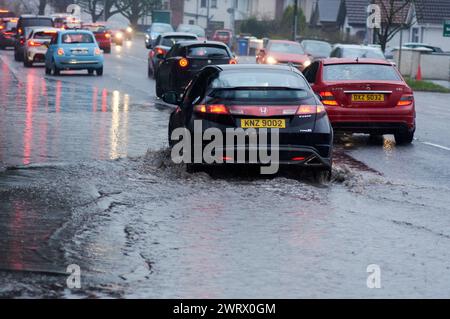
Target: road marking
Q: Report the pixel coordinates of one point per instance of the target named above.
(436, 145)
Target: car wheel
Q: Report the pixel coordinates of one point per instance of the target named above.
(150, 72)
(322, 176)
(159, 91)
(404, 138)
(99, 71)
(27, 63)
(107, 50)
(48, 71)
(56, 70)
(193, 168)
(16, 56)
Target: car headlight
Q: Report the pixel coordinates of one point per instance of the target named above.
(119, 35)
(129, 29)
(307, 63)
(147, 36)
(271, 60)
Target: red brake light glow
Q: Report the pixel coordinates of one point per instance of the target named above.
(60, 52)
(328, 98)
(161, 51)
(298, 159)
(310, 109)
(233, 61)
(31, 43)
(211, 109)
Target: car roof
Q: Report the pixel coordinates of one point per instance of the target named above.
(284, 41)
(328, 61)
(189, 43)
(357, 46)
(178, 34)
(26, 16)
(265, 67)
(75, 31)
(319, 41)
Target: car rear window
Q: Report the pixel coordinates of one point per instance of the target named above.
(171, 41)
(192, 29)
(44, 35)
(223, 33)
(161, 28)
(208, 52)
(96, 29)
(360, 72)
(37, 22)
(77, 38)
(289, 48)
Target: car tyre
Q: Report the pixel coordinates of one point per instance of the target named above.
(159, 90)
(99, 71)
(56, 70)
(107, 50)
(90, 71)
(322, 176)
(150, 72)
(48, 71)
(404, 138)
(27, 63)
(17, 56)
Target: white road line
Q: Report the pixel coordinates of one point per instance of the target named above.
(436, 145)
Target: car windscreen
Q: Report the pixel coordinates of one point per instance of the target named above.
(259, 85)
(318, 48)
(73, 38)
(360, 72)
(95, 29)
(192, 29)
(37, 22)
(363, 53)
(286, 48)
(172, 40)
(223, 33)
(207, 52)
(161, 28)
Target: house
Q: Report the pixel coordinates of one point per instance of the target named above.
(328, 15)
(356, 19)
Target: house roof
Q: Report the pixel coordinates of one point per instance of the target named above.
(356, 11)
(400, 9)
(329, 10)
(432, 11)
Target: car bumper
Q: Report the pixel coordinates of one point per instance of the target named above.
(36, 54)
(74, 63)
(372, 120)
(104, 45)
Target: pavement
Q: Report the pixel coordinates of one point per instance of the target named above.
(86, 179)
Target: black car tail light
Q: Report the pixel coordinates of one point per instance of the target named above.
(211, 109)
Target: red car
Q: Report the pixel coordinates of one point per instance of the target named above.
(365, 96)
(284, 52)
(102, 36)
(224, 36)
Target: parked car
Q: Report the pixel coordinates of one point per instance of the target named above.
(8, 30)
(36, 45)
(28, 21)
(74, 50)
(356, 51)
(248, 96)
(102, 35)
(225, 36)
(162, 45)
(186, 59)
(192, 28)
(317, 49)
(416, 45)
(155, 30)
(284, 52)
(365, 96)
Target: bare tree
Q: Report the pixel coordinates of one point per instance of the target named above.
(133, 10)
(394, 17)
(99, 9)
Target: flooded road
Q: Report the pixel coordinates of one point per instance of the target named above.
(86, 179)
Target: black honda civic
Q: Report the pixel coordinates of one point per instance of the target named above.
(185, 59)
(253, 100)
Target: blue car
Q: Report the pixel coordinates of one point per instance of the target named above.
(74, 50)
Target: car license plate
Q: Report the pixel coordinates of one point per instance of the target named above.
(367, 97)
(263, 123)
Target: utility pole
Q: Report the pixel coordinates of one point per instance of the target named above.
(208, 2)
(295, 22)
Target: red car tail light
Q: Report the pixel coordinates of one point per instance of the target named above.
(233, 61)
(211, 109)
(328, 98)
(298, 159)
(405, 100)
(31, 43)
(161, 51)
(184, 63)
(22, 41)
(60, 52)
(107, 35)
(310, 109)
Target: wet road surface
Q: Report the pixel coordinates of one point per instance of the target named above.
(86, 179)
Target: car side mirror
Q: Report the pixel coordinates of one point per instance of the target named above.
(171, 97)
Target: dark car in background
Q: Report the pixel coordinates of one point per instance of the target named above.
(317, 49)
(365, 96)
(8, 30)
(162, 45)
(354, 51)
(27, 21)
(192, 28)
(102, 36)
(155, 30)
(258, 97)
(224, 36)
(185, 60)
